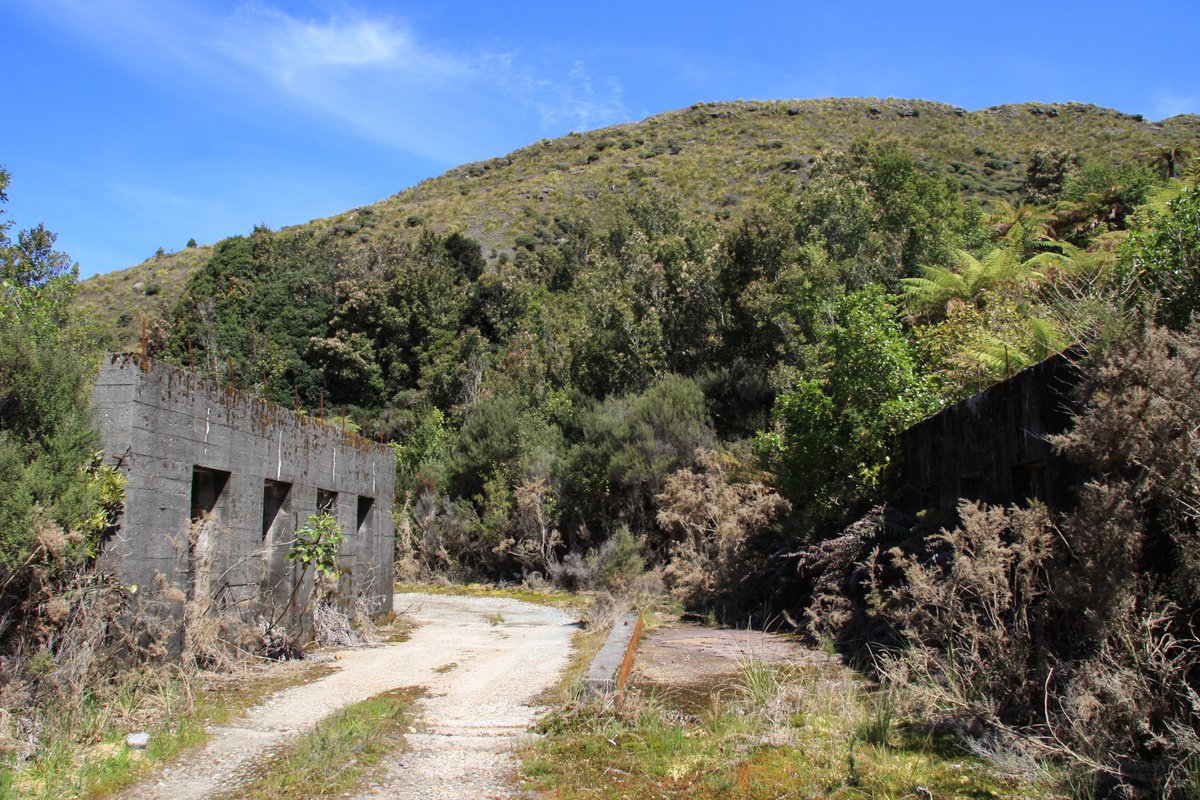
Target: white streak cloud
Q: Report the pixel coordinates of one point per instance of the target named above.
(370, 74)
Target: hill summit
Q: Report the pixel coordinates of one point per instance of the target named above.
(711, 157)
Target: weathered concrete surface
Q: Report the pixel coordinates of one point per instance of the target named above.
(993, 446)
(189, 445)
(689, 666)
(610, 667)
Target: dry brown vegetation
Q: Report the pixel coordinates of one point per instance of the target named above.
(1070, 634)
(710, 513)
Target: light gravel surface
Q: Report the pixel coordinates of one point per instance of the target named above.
(483, 662)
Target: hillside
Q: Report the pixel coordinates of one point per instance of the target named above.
(712, 157)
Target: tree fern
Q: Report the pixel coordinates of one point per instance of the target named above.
(969, 282)
(999, 356)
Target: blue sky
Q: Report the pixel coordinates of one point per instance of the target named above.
(138, 124)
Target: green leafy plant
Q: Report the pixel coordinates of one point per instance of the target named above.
(317, 544)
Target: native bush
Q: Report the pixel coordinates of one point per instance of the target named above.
(879, 215)
(833, 436)
(627, 446)
(1163, 256)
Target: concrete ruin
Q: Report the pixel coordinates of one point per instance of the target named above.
(218, 483)
(993, 446)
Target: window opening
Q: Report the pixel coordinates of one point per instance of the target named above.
(275, 495)
(207, 520)
(973, 487)
(1029, 482)
(207, 487)
(365, 504)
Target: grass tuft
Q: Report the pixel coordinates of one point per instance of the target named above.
(84, 753)
(336, 757)
(784, 731)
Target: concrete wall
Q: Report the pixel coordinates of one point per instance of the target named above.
(992, 446)
(186, 443)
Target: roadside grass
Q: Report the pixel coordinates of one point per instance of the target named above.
(338, 756)
(585, 643)
(84, 754)
(772, 732)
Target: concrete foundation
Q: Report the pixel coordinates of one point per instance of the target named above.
(218, 483)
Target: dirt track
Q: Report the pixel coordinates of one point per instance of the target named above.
(483, 663)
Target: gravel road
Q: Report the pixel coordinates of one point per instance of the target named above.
(483, 662)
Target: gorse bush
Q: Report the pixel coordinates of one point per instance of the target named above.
(58, 502)
(1075, 630)
(63, 626)
(710, 513)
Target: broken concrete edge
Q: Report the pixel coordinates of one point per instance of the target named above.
(606, 676)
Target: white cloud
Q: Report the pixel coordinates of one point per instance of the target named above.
(369, 73)
(572, 100)
(284, 47)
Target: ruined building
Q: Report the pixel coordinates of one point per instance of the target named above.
(218, 483)
(993, 446)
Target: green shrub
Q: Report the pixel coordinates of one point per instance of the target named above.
(57, 501)
(317, 543)
(618, 561)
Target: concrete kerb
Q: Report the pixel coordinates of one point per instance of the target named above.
(609, 670)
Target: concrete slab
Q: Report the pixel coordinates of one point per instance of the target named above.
(609, 670)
